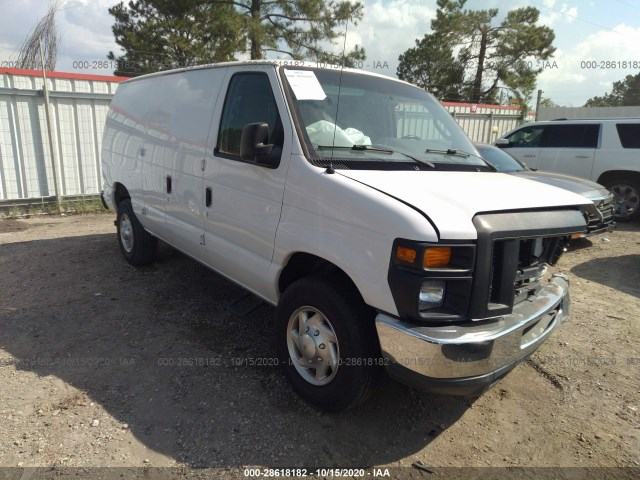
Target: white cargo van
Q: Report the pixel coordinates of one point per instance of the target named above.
(355, 204)
(605, 151)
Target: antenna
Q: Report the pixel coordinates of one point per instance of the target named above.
(335, 125)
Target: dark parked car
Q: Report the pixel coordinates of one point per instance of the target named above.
(601, 216)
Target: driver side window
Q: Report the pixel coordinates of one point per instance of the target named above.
(528, 137)
(249, 100)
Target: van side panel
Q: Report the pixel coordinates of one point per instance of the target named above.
(179, 123)
(123, 141)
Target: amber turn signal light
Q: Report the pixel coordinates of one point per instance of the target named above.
(405, 254)
(436, 257)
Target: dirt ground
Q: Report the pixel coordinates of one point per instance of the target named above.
(104, 364)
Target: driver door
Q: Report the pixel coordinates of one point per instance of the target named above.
(243, 201)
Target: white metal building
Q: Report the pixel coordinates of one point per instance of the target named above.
(79, 107)
(486, 123)
(554, 113)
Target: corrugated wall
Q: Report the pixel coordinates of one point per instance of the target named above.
(78, 109)
(479, 120)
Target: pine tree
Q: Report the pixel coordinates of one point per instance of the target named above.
(431, 65)
(493, 54)
(160, 34)
(625, 93)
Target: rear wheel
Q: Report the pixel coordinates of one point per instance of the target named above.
(136, 244)
(326, 342)
(627, 198)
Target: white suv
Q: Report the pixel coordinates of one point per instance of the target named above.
(606, 151)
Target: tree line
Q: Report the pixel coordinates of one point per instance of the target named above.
(154, 34)
(469, 55)
(476, 56)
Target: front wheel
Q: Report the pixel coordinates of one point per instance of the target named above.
(326, 342)
(627, 198)
(136, 244)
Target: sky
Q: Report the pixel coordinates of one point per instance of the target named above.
(589, 33)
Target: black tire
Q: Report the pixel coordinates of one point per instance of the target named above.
(627, 193)
(354, 327)
(142, 247)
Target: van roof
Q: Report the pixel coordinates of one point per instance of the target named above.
(274, 63)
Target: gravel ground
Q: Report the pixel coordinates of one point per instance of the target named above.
(104, 364)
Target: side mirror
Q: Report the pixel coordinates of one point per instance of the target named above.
(255, 149)
(503, 143)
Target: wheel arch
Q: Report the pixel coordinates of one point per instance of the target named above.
(612, 174)
(626, 206)
(120, 193)
(303, 264)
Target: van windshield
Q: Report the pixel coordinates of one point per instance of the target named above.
(377, 123)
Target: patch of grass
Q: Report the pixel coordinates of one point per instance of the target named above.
(79, 206)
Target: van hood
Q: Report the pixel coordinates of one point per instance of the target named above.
(452, 199)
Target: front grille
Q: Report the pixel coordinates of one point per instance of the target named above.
(517, 267)
(512, 251)
(602, 215)
(532, 258)
(606, 208)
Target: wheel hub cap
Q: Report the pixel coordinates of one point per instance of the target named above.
(307, 347)
(313, 346)
(126, 233)
(627, 200)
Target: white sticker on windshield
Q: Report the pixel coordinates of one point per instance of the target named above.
(305, 85)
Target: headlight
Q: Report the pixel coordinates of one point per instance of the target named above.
(431, 295)
(431, 282)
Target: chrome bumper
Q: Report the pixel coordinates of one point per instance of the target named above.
(469, 357)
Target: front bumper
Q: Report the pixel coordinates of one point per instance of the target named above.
(601, 228)
(468, 358)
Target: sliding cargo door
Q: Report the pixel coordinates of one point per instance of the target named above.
(180, 121)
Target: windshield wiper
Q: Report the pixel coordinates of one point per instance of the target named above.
(383, 149)
(460, 153)
(373, 148)
(354, 147)
(448, 151)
